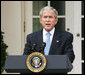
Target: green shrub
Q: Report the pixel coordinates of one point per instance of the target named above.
(3, 52)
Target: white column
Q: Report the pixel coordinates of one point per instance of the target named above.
(73, 21)
(28, 17)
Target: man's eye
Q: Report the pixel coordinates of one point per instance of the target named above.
(50, 16)
(45, 16)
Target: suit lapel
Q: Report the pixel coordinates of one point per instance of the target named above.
(54, 43)
(40, 39)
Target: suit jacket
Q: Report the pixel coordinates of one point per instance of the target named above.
(61, 43)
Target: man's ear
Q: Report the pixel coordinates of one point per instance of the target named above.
(56, 21)
(40, 20)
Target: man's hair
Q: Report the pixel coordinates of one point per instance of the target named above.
(48, 8)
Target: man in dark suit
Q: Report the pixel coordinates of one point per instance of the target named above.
(60, 41)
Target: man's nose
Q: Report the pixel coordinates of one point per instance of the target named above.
(47, 19)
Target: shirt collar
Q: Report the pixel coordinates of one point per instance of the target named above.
(51, 32)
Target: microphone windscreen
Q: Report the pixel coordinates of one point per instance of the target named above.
(43, 44)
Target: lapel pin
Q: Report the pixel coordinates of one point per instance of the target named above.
(57, 41)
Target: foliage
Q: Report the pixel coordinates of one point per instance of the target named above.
(3, 52)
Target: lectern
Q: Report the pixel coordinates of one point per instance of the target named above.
(55, 64)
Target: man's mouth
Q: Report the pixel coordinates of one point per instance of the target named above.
(47, 24)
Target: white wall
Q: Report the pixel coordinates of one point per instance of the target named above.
(11, 25)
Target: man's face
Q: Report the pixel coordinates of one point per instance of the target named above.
(48, 20)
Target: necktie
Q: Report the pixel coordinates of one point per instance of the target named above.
(47, 48)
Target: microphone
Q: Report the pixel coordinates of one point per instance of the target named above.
(42, 47)
(33, 47)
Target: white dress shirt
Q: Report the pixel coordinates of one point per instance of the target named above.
(51, 37)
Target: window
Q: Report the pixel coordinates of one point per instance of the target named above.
(58, 5)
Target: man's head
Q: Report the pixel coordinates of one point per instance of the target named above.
(48, 18)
